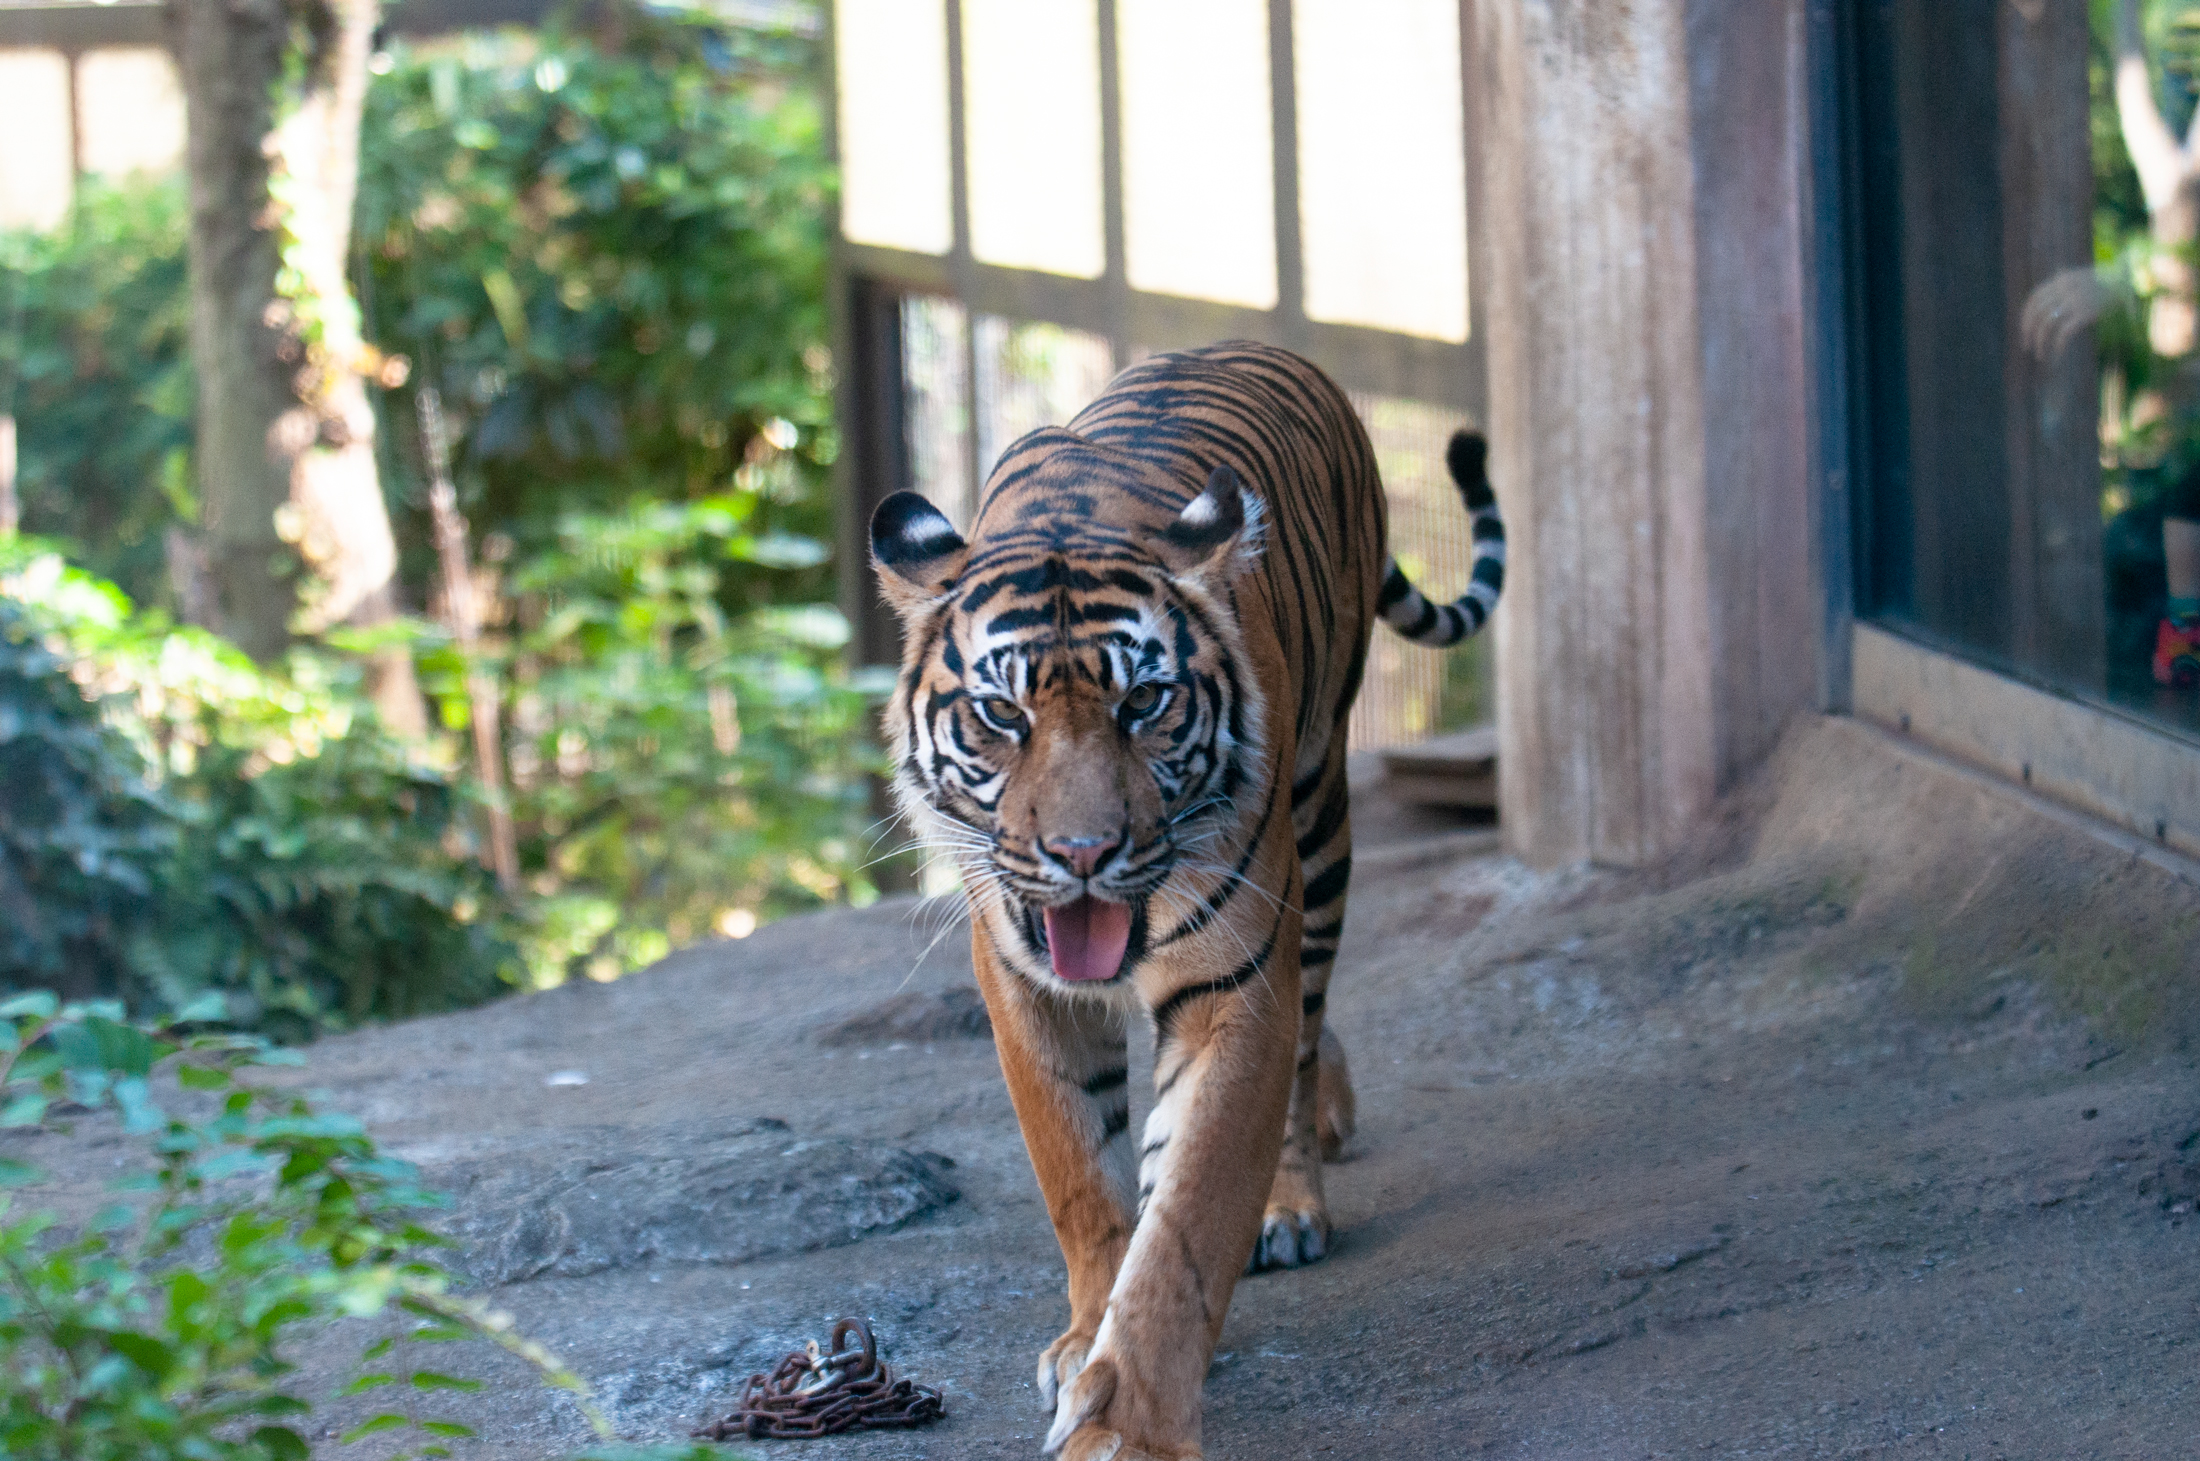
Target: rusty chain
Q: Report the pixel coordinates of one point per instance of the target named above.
(819, 1393)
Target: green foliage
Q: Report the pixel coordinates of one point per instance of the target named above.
(609, 255)
(157, 1330)
(154, 1330)
(94, 319)
(180, 821)
(675, 766)
(610, 260)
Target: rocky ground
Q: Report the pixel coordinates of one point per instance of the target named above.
(1872, 1127)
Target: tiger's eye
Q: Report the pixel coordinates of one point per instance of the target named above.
(1142, 699)
(1003, 713)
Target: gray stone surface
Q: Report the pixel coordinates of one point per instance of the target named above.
(915, 1017)
(700, 1199)
(1866, 1128)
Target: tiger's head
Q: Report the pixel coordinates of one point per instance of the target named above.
(1076, 714)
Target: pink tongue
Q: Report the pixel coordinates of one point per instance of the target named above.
(1086, 938)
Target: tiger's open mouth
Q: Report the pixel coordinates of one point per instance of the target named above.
(1086, 939)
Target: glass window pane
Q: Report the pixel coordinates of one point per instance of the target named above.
(1031, 116)
(1030, 376)
(2030, 382)
(1382, 164)
(34, 165)
(130, 104)
(1199, 204)
(891, 72)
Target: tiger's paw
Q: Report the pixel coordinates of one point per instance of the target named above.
(1094, 1443)
(1290, 1238)
(1060, 1362)
(1102, 1416)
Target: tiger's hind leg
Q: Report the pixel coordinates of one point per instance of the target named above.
(1295, 1228)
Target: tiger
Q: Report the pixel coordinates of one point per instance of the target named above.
(1122, 712)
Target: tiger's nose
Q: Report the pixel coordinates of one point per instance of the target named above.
(1081, 855)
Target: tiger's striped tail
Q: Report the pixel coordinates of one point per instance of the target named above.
(1404, 607)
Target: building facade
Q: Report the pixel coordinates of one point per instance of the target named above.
(1810, 379)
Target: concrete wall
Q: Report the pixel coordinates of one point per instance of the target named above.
(1640, 247)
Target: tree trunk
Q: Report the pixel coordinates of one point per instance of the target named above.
(285, 451)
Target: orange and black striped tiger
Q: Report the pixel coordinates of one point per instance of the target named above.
(1122, 711)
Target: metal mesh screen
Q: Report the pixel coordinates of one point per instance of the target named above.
(935, 385)
(1412, 693)
(1031, 376)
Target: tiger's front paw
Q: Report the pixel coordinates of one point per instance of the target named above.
(1059, 1363)
(1290, 1238)
(1106, 1414)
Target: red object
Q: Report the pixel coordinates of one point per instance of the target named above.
(2177, 655)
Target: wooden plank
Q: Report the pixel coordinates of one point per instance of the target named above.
(1454, 770)
(2141, 780)
(1587, 278)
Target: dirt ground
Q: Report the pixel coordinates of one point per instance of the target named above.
(1870, 1128)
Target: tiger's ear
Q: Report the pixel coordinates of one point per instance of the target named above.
(1220, 529)
(916, 550)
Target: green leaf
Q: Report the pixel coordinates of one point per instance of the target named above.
(39, 1004)
(200, 1078)
(449, 1428)
(19, 1174)
(148, 1354)
(25, 1110)
(377, 1349)
(365, 1383)
(432, 1380)
(386, 1421)
(281, 1443)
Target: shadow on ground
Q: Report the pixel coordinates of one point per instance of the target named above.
(1870, 1127)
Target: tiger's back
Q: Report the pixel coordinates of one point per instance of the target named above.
(1290, 433)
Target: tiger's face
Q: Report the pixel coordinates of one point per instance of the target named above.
(1074, 715)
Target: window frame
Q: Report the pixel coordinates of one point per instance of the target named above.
(2076, 748)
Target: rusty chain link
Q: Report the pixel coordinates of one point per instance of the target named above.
(814, 1393)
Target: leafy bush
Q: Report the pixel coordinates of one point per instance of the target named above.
(94, 363)
(156, 1331)
(179, 821)
(609, 257)
(675, 768)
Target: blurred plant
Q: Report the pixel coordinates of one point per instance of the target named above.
(157, 1330)
(2139, 296)
(608, 251)
(609, 255)
(179, 820)
(94, 320)
(676, 769)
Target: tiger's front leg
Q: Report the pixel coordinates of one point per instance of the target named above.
(1069, 1078)
(1222, 1082)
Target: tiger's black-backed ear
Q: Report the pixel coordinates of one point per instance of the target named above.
(917, 551)
(1222, 525)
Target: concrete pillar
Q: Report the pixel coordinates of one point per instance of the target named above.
(1642, 304)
